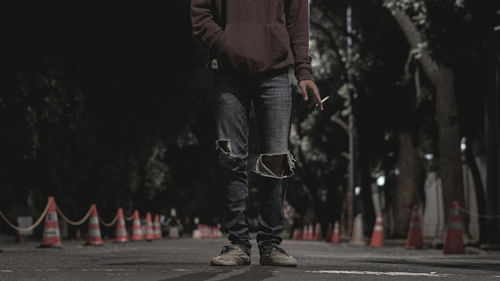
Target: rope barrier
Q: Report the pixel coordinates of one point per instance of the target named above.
(113, 221)
(38, 221)
(129, 218)
(477, 215)
(75, 223)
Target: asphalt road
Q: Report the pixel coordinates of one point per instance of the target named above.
(188, 259)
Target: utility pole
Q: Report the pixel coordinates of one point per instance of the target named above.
(497, 93)
(491, 127)
(352, 138)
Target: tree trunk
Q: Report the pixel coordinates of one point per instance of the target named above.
(405, 193)
(450, 162)
(443, 82)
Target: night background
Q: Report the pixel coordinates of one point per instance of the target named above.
(114, 106)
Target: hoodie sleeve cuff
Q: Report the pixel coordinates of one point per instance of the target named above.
(303, 74)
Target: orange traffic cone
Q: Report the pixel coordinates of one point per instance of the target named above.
(310, 232)
(296, 234)
(121, 230)
(304, 232)
(318, 236)
(210, 231)
(157, 228)
(336, 233)
(196, 231)
(378, 233)
(51, 235)
(357, 231)
(206, 231)
(454, 244)
(94, 234)
(149, 228)
(136, 228)
(202, 230)
(415, 239)
(214, 232)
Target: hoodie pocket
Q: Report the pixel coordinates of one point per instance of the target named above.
(247, 47)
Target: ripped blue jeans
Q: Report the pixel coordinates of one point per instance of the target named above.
(271, 96)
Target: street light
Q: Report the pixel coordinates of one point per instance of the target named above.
(357, 191)
(463, 144)
(381, 180)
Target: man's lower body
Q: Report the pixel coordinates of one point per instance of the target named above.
(270, 95)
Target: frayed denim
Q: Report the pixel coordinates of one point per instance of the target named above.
(271, 96)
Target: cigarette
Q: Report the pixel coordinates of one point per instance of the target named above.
(325, 99)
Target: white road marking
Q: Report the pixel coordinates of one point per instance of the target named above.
(5, 270)
(424, 274)
(105, 269)
(181, 269)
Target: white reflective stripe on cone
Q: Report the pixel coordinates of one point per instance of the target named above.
(94, 232)
(51, 232)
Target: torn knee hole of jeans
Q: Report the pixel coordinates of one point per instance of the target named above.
(262, 170)
(226, 156)
(224, 145)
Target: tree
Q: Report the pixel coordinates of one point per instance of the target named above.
(410, 15)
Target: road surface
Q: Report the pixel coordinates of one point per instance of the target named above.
(188, 259)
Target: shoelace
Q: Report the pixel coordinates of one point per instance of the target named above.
(227, 249)
(280, 250)
(276, 248)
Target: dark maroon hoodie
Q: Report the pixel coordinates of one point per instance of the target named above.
(249, 36)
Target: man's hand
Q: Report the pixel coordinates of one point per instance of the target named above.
(309, 88)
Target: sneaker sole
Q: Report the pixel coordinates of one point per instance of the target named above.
(215, 262)
(228, 263)
(265, 263)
